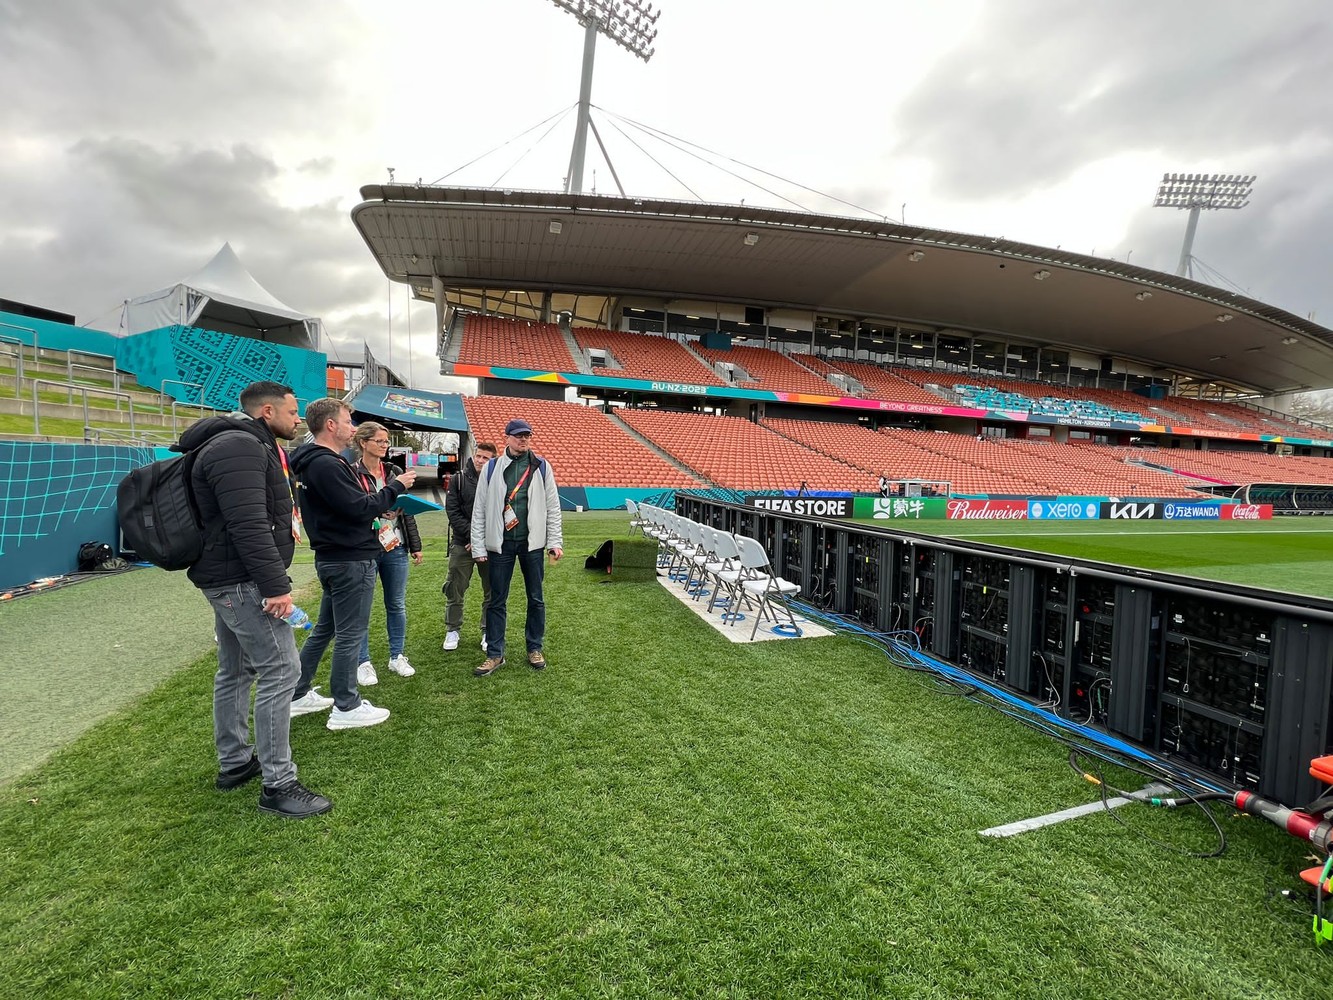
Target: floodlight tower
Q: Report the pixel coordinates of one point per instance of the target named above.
(1197, 192)
(631, 24)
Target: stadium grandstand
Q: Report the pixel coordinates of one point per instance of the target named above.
(663, 345)
(759, 349)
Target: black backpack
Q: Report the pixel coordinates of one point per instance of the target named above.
(93, 555)
(158, 513)
(601, 559)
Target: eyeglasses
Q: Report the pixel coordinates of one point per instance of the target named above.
(383, 441)
(522, 434)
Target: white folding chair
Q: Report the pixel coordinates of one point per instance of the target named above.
(763, 584)
(724, 566)
(689, 548)
(636, 518)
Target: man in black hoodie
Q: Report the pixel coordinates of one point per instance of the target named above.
(458, 502)
(339, 510)
(240, 485)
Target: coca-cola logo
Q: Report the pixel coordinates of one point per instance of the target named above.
(1245, 512)
(987, 510)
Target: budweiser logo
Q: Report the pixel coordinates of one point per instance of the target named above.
(1245, 512)
(989, 510)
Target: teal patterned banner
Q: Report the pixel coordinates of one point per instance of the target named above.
(204, 366)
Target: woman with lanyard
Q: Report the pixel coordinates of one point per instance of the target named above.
(399, 536)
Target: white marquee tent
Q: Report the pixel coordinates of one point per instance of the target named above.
(225, 297)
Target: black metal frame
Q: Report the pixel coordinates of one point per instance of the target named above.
(1230, 682)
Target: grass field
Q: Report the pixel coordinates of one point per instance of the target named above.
(1291, 554)
(660, 813)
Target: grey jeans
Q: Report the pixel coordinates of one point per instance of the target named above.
(253, 646)
(461, 568)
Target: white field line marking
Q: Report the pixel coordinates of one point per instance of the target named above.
(1050, 819)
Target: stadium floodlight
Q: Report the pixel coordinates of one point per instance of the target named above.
(631, 24)
(1196, 192)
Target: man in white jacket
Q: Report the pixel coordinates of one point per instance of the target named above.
(516, 519)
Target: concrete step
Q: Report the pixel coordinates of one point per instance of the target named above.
(105, 416)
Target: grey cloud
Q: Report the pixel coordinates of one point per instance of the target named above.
(1040, 89)
(157, 69)
(129, 216)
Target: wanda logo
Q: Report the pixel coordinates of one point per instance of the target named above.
(988, 510)
(1245, 512)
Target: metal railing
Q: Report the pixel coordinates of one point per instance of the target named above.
(71, 368)
(95, 435)
(17, 355)
(197, 386)
(83, 392)
(112, 372)
(19, 344)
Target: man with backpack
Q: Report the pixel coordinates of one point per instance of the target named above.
(239, 482)
(515, 519)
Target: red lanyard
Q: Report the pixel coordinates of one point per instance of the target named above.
(286, 472)
(519, 485)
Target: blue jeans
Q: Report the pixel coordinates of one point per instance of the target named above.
(252, 646)
(502, 572)
(344, 618)
(392, 567)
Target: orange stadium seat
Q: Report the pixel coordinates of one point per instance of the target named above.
(645, 356)
(583, 445)
(771, 370)
(507, 343)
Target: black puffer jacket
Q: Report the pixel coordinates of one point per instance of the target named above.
(244, 503)
(459, 500)
(408, 522)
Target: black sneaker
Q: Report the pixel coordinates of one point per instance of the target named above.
(292, 801)
(237, 776)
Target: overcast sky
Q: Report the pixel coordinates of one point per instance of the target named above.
(137, 136)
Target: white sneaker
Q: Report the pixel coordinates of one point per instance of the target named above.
(451, 641)
(483, 642)
(311, 701)
(364, 714)
(366, 676)
(401, 667)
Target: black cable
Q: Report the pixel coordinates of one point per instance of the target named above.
(657, 161)
(1198, 800)
(654, 133)
(534, 145)
(747, 166)
(561, 112)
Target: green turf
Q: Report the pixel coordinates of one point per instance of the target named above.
(660, 813)
(1291, 554)
(61, 676)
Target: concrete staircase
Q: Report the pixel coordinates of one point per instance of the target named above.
(665, 456)
(56, 388)
(575, 351)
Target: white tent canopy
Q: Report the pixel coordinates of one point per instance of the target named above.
(225, 297)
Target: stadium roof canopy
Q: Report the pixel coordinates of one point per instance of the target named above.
(860, 268)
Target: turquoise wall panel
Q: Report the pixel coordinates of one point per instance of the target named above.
(56, 497)
(57, 336)
(188, 362)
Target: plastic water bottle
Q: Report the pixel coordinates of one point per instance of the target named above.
(299, 620)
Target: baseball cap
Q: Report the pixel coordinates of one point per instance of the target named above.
(518, 426)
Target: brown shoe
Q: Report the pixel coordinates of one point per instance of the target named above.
(535, 659)
(489, 666)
